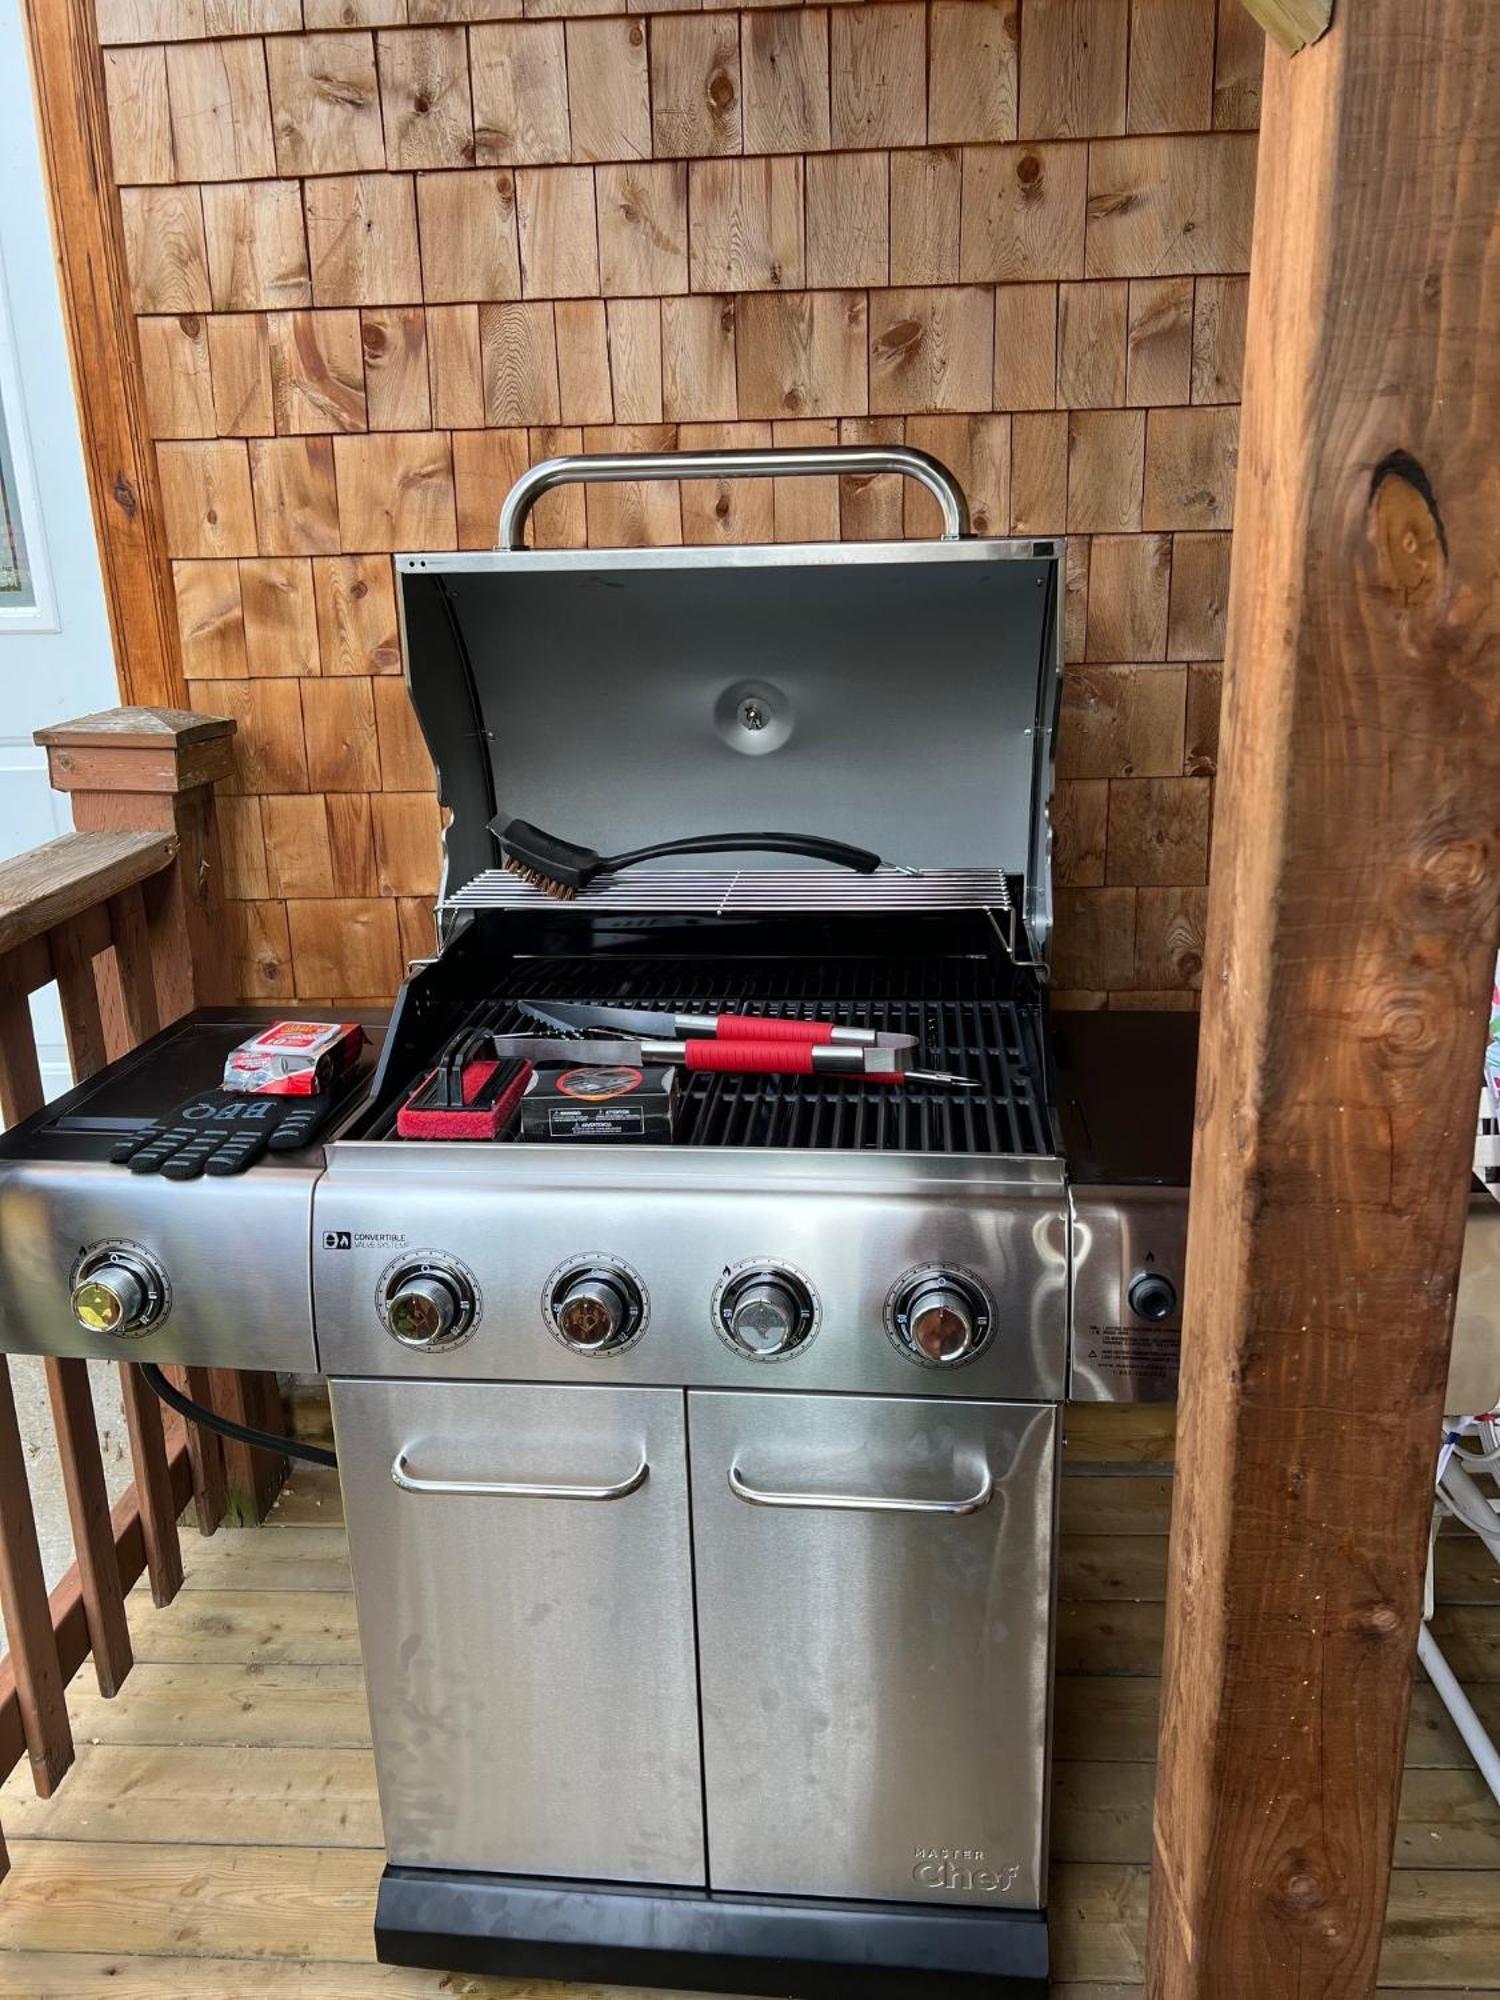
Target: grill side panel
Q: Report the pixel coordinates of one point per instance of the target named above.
(234, 1254)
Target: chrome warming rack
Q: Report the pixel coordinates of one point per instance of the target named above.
(734, 892)
(748, 892)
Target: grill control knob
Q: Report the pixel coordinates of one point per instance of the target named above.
(941, 1323)
(596, 1308)
(1152, 1296)
(118, 1292)
(111, 1299)
(766, 1312)
(938, 1317)
(422, 1310)
(429, 1304)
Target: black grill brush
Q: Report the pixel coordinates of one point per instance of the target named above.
(560, 868)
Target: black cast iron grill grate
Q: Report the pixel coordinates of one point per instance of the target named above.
(971, 1029)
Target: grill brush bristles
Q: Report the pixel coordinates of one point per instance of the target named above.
(560, 892)
(560, 868)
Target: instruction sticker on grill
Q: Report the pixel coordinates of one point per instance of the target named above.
(600, 1101)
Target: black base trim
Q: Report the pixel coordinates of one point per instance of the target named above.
(532, 1927)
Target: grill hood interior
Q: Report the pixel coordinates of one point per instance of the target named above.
(905, 696)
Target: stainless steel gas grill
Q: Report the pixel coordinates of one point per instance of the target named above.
(704, 1549)
(701, 1496)
(738, 1616)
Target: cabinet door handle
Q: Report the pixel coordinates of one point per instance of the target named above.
(513, 1489)
(863, 1503)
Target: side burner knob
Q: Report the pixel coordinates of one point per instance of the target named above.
(766, 1312)
(938, 1317)
(1152, 1296)
(595, 1308)
(429, 1305)
(118, 1291)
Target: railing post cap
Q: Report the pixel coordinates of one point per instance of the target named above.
(135, 729)
(169, 751)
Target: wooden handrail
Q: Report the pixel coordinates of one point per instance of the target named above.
(112, 913)
(66, 877)
(64, 909)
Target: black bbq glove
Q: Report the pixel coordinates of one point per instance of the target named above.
(222, 1132)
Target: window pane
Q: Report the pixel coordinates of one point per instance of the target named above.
(15, 571)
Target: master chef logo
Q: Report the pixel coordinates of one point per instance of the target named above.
(961, 1870)
(598, 1086)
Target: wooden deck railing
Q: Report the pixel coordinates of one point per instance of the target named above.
(112, 914)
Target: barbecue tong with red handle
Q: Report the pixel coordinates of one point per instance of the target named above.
(776, 1048)
(572, 1016)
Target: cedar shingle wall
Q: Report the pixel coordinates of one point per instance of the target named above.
(387, 252)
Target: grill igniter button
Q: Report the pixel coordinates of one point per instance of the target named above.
(938, 1317)
(1152, 1296)
(118, 1293)
(766, 1312)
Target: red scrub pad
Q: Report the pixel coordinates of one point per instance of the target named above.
(491, 1091)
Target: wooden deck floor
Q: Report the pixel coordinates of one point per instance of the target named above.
(218, 1837)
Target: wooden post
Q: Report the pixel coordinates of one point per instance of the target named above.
(72, 1399)
(134, 768)
(159, 1500)
(1353, 918)
(41, 1685)
(73, 127)
(78, 1453)
(150, 768)
(252, 1478)
(205, 1450)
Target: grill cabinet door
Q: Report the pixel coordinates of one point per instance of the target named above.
(529, 1656)
(875, 1680)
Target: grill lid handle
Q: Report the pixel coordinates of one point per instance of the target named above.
(840, 461)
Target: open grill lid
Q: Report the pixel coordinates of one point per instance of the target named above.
(901, 695)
